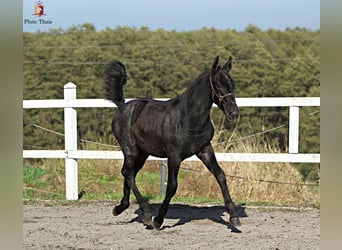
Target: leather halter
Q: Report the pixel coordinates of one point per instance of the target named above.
(214, 93)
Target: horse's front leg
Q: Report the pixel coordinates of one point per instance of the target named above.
(172, 184)
(207, 156)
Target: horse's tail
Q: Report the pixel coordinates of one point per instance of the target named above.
(115, 79)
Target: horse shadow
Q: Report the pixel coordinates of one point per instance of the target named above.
(186, 213)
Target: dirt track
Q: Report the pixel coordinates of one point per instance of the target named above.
(92, 226)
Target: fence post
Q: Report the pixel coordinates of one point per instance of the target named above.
(70, 133)
(294, 130)
(163, 178)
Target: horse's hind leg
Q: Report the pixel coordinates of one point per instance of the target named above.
(207, 156)
(132, 165)
(124, 204)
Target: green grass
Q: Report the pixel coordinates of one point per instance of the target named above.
(98, 185)
(32, 178)
(33, 175)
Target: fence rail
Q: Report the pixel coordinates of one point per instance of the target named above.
(71, 153)
(241, 102)
(224, 157)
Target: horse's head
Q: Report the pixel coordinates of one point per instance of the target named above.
(222, 87)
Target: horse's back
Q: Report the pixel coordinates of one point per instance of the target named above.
(139, 123)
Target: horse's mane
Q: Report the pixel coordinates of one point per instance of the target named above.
(193, 84)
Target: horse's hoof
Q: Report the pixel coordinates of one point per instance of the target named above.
(157, 225)
(115, 212)
(235, 221)
(147, 220)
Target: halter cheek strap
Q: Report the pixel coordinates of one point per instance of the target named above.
(214, 93)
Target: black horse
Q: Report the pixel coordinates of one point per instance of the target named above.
(175, 129)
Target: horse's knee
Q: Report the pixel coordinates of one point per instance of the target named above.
(125, 172)
(128, 174)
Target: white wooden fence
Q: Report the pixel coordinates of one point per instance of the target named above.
(71, 153)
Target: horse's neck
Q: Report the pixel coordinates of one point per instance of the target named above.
(199, 101)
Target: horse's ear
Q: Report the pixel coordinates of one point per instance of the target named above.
(215, 65)
(228, 65)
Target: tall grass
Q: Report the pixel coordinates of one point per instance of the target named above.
(267, 183)
(251, 183)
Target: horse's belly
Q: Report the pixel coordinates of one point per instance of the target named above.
(151, 146)
(149, 139)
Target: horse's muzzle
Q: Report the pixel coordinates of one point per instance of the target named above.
(233, 115)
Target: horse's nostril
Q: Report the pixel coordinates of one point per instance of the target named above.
(235, 113)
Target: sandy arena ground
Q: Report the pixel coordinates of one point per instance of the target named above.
(91, 225)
